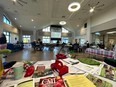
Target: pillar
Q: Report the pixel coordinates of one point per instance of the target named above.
(88, 31)
(34, 35)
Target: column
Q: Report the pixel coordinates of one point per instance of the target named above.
(106, 40)
(34, 35)
(88, 34)
(20, 35)
(1, 19)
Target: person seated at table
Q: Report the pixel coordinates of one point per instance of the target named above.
(57, 43)
(101, 45)
(40, 44)
(34, 45)
(76, 46)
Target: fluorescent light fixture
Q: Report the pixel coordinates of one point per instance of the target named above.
(111, 32)
(14, 0)
(62, 22)
(75, 6)
(97, 33)
(92, 9)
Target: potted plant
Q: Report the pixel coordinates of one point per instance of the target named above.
(3, 51)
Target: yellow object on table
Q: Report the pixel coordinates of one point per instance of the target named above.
(26, 84)
(1, 66)
(78, 81)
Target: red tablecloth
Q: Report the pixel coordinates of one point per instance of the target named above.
(102, 52)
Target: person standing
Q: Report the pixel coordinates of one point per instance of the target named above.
(3, 41)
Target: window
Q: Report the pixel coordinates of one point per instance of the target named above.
(64, 30)
(82, 41)
(47, 29)
(6, 20)
(65, 39)
(7, 34)
(46, 39)
(26, 38)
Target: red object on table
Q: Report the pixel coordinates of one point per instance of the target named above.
(29, 71)
(59, 67)
(51, 82)
(60, 56)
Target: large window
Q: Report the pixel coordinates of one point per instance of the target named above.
(6, 20)
(65, 39)
(64, 30)
(46, 39)
(7, 34)
(47, 29)
(26, 38)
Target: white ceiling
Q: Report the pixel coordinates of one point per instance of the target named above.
(47, 12)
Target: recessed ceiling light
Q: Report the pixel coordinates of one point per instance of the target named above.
(75, 6)
(62, 22)
(20, 26)
(32, 20)
(77, 25)
(15, 18)
(34, 26)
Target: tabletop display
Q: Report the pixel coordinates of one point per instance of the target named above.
(40, 74)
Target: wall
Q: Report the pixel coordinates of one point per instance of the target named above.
(104, 20)
(26, 32)
(13, 36)
(14, 32)
(81, 34)
(40, 34)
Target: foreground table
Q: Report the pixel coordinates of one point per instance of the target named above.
(77, 68)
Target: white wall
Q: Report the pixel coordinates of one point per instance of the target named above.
(14, 32)
(81, 34)
(96, 23)
(105, 16)
(13, 36)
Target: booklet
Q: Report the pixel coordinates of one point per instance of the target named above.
(77, 81)
(42, 73)
(28, 83)
(50, 82)
(98, 82)
(108, 72)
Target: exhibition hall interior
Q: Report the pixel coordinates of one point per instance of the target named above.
(57, 43)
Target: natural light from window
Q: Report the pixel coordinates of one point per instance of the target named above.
(47, 29)
(46, 39)
(64, 30)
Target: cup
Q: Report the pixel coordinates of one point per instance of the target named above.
(18, 71)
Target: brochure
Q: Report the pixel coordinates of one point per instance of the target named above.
(98, 82)
(77, 81)
(108, 72)
(50, 82)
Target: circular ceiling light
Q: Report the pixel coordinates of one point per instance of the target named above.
(62, 22)
(75, 6)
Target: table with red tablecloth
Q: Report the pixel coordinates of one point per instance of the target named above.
(100, 52)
